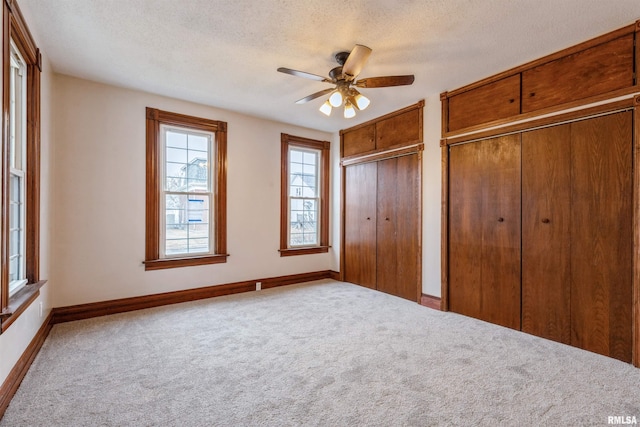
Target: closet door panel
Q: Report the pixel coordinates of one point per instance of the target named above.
(360, 224)
(465, 230)
(601, 238)
(501, 232)
(546, 216)
(399, 226)
(387, 245)
(408, 227)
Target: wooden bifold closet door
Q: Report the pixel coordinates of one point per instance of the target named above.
(360, 224)
(382, 225)
(484, 230)
(540, 232)
(546, 228)
(577, 234)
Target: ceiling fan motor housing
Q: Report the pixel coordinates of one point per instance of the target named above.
(341, 57)
(336, 74)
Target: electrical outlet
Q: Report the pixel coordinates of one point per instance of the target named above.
(41, 309)
(258, 286)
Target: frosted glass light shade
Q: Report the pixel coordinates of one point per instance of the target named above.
(335, 99)
(326, 108)
(362, 101)
(349, 111)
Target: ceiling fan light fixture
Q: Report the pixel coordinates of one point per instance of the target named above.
(361, 101)
(326, 108)
(343, 77)
(349, 111)
(335, 99)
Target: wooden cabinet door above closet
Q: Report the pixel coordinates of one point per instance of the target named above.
(600, 69)
(359, 140)
(400, 128)
(483, 104)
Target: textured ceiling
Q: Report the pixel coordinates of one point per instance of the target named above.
(225, 53)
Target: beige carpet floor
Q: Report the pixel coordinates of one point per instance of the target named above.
(319, 354)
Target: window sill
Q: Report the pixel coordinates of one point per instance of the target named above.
(160, 264)
(304, 251)
(19, 302)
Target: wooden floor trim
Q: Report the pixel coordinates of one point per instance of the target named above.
(103, 308)
(13, 380)
(430, 301)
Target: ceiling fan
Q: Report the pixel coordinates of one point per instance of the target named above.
(344, 78)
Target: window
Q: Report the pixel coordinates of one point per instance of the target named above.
(20, 201)
(17, 169)
(304, 219)
(186, 190)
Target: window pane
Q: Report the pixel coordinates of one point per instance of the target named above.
(15, 190)
(303, 193)
(198, 185)
(187, 224)
(199, 157)
(296, 204)
(14, 216)
(295, 156)
(14, 245)
(176, 139)
(176, 155)
(310, 158)
(295, 168)
(176, 177)
(303, 216)
(175, 247)
(296, 239)
(198, 245)
(187, 166)
(14, 272)
(198, 142)
(175, 169)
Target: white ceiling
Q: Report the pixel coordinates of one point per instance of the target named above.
(225, 53)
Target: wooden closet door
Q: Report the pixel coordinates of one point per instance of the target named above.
(465, 230)
(484, 230)
(546, 220)
(601, 235)
(398, 227)
(501, 231)
(360, 224)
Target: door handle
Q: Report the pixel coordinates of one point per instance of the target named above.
(500, 219)
(546, 220)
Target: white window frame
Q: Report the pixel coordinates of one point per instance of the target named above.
(18, 164)
(164, 192)
(317, 198)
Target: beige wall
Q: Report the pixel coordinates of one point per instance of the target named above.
(431, 197)
(15, 340)
(98, 222)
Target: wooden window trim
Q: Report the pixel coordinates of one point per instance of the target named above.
(297, 141)
(154, 119)
(15, 28)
